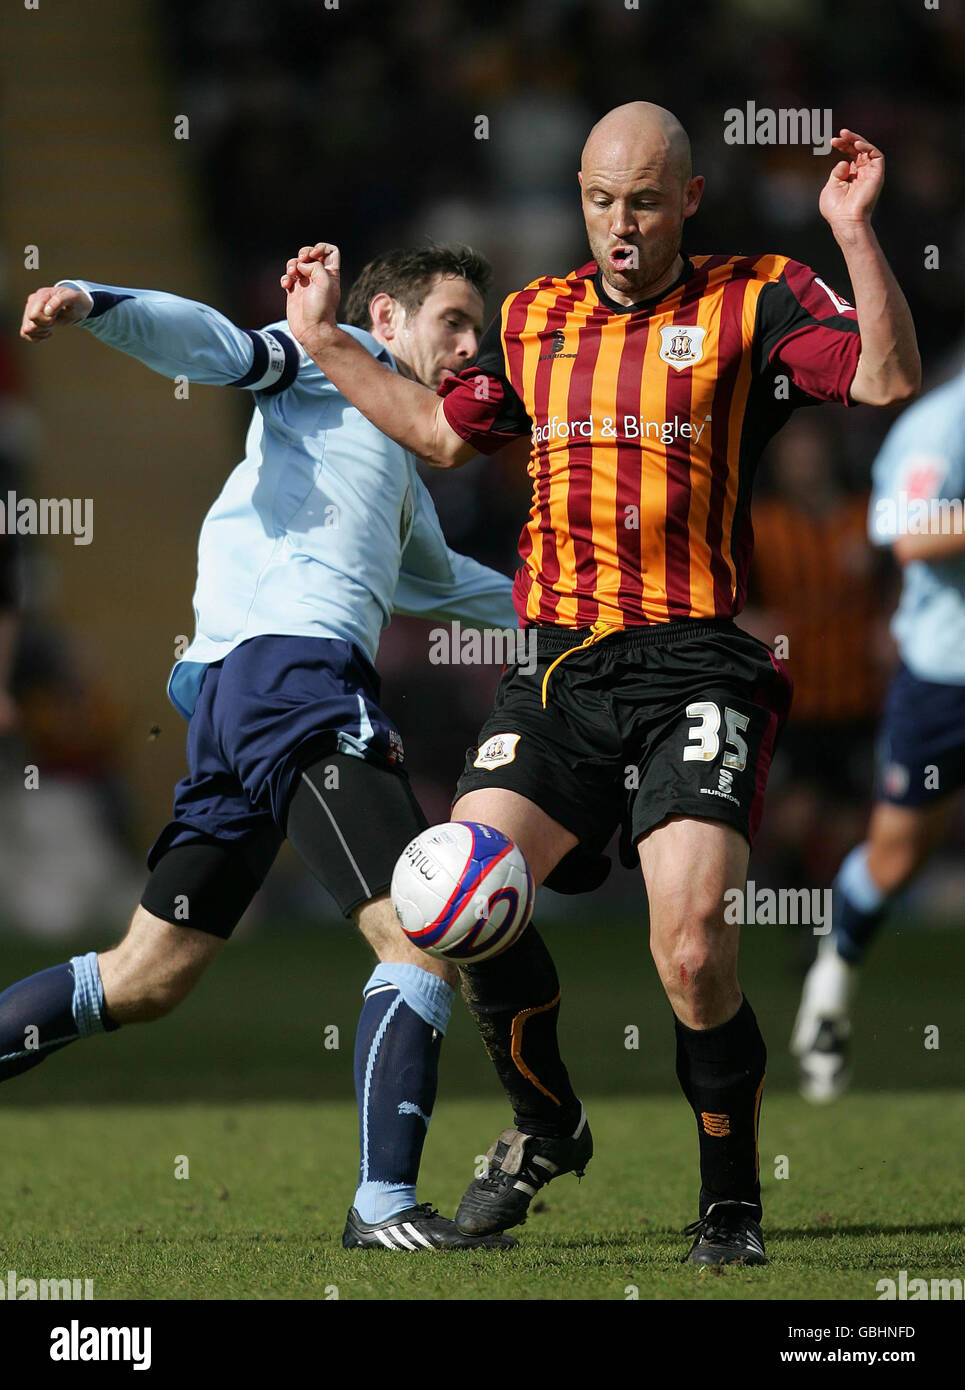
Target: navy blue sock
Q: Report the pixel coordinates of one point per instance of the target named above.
(46, 1011)
(400, 1032)
(858, 907)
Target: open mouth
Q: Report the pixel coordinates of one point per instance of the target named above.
(623, 257)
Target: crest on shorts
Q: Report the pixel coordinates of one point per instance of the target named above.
(497, 751)
(681, 345)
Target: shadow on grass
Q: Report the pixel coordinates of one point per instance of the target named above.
(829, 1232)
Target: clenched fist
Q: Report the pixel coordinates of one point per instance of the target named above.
(313, 285)
(53, 307)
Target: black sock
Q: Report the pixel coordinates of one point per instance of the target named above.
(515, 999)
(721, 1071)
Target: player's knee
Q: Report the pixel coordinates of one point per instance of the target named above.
(687, 964)
(894, 859)
(691, 916)
(697, 965)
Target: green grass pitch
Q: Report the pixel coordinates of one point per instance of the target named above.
(241, 1083)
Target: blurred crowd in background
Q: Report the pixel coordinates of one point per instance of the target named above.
(374, 125)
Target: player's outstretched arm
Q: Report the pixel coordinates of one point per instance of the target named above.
(404, 410)
(889, 368)
(173, 336)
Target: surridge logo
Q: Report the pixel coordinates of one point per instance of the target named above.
(559, 343)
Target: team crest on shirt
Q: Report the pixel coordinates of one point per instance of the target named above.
(497, 751)
(681, 345)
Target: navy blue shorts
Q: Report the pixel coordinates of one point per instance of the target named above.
(921, 745)
(269, 709)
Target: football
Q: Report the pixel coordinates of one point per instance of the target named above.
(462, 891)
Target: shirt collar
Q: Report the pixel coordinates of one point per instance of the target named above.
(642, 305)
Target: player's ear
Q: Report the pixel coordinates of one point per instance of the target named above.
(384, 312)
(693, 190)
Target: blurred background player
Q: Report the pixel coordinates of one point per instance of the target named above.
(320, 533)
(648, 382)
(916, 509)
(818, 594)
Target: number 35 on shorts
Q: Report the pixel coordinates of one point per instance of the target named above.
(704, 737)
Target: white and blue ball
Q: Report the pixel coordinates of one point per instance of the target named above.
(462, 891)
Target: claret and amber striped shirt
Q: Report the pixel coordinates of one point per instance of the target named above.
(646, 424)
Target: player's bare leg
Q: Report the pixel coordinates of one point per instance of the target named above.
(377, 922)
(899, 843)
(542, 840)
(141, 979)
(688, 865)
(902, 838)
(515, 1000)
(153, 968)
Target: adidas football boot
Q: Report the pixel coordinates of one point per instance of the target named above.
(727, 1234)
(416, 1228)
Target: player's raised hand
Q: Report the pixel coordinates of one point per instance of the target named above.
(53, 307)
(313, 285)
(855, 181)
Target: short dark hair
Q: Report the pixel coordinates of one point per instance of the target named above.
(408, 276)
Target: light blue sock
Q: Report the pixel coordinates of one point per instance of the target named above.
(858, 907)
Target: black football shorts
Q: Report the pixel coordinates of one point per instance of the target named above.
(639, 725)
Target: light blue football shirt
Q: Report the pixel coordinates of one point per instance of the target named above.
(919, 480)
(324, 529)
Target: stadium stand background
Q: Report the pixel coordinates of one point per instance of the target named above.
(358, 124)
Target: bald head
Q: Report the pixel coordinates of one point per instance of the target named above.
(636, 136)
(638, 190)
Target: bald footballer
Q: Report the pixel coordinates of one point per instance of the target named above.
(648, 382)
